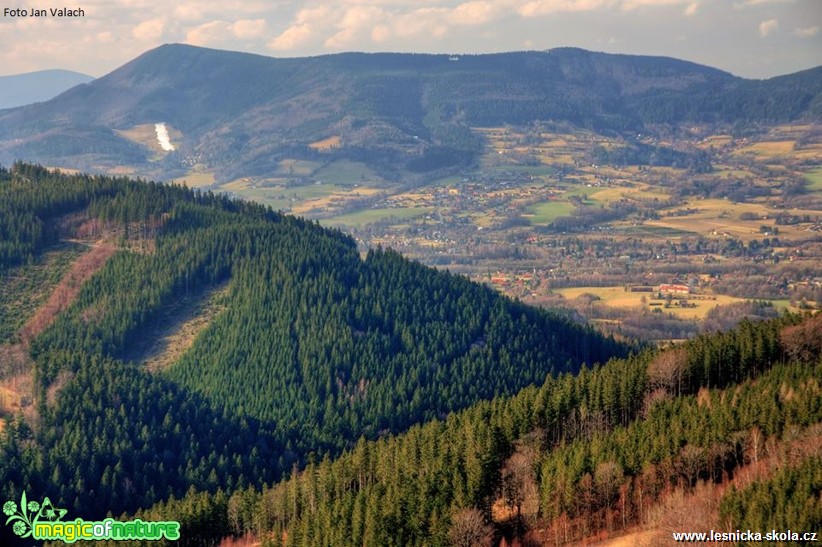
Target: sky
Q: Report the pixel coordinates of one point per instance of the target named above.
(749, 38)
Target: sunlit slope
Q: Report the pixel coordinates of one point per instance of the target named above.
(312, 347)
(653, 441)
(402, 114)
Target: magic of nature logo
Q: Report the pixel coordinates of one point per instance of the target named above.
(44, 521)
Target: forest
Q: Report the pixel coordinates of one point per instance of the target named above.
(317, 347)
(605, 450)
(341, 399)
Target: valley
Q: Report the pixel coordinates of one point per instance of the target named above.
(529, 298)
(543, 218)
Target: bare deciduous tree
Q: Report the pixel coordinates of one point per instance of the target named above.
(519, 486)
(803, 341)
(469, 529)
(607, 479)
(667, 371)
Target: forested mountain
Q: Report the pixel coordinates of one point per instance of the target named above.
(315, 348)
(600, 452)
(32, 87)
(241, 114)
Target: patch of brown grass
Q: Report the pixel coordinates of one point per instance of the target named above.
(17, 384)
(54, 388)
(326, 144)
(176, 331)
(67, 290)
(248, 540)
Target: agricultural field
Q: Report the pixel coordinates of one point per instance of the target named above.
(326, 144)
(814, 179)
(197, 179)
(547, 212)
(367, 216)
(307, 188)
(540, 201)
(346, 172)
(694, 306)
(721, 218)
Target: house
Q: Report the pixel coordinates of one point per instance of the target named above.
(674, 289)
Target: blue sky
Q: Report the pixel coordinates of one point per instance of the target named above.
(751, 38)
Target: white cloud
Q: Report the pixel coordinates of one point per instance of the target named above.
(342, 39)
(359, 17)
(748, 3)
(188, 12)
(207, 34)
(535, 8)
(320, 14)
(628, 5)
(294, 36)
(149, 31)
(423, 21)
(475, 12)
(766, 28)
(203, 11)
(246, 29)
(807, 32)
(380, 33)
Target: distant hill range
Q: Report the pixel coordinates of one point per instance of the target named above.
(34, 87)
(241, 114)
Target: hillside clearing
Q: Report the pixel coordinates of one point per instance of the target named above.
(67, 290)
(24, 288)
(178, 326)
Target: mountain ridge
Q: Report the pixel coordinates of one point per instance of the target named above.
(240, 114)
(42, 85)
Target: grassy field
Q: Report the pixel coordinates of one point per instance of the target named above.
(326, 144)
(546, 213)
(769, 149)
(197, 179)
(347, 172)
(367, 216)
(539, 170)
(618, 297)
(716, 141)
(617, 193)
(720, 218)
(146, 135)
(282, 198)
(726, 172)
(814, 179)
(653, 232)
(301, 168)
(307, 199)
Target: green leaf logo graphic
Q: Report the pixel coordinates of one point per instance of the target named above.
(49, 512)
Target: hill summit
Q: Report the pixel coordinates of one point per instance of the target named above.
(240, 114)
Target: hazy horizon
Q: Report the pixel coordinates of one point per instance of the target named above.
(748, 38)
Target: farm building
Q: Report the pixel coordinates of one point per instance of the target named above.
(674, 289)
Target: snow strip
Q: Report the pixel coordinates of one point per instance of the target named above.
(162, 137)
